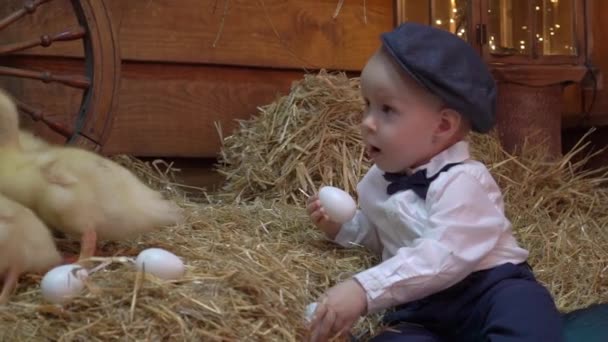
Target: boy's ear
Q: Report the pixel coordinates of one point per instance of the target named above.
(449, 122)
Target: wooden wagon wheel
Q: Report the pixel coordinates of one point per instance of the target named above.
(100, 82)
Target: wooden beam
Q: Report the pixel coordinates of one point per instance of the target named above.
(265, 33)
(163, 109)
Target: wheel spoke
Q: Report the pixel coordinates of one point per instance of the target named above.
(40, 115)
(75, 81)
(29, 6)
(44, 40)
(98, 81)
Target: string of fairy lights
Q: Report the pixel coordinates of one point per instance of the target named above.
(454, 23)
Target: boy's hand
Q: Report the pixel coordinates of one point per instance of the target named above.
(320, 218)
(338, 310)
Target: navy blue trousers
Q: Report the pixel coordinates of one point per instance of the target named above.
(502, 304)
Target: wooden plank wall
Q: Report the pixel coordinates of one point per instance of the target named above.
(190, 63)
(599, 59)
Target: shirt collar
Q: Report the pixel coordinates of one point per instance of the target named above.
(456, 153)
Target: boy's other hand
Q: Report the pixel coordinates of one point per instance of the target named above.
(320, 219)
(338, 310)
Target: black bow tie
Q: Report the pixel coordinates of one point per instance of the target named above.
(417, 182)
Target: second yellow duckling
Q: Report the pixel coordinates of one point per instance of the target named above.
(76, 191)
(26, 245)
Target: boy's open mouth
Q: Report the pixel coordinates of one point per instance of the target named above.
(373, 151)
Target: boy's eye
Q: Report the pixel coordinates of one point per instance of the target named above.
(387, 108)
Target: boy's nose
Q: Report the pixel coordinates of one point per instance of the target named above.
(368, 123)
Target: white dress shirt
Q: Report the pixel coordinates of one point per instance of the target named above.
(430, 245)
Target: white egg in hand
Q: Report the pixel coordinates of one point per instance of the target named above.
(338, 204)
(62, 283)
(310, 311)
(160, 263)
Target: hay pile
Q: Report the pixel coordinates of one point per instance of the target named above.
(559, 213)
(251, 270)
(253, 266)
(306, 138)
(558, 209)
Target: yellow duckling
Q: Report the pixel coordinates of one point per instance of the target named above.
(76, 191)
(26, 245)
(29, 142)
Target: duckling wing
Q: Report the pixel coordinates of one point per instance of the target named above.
(56, 173)
(65, 201)
(108, 195)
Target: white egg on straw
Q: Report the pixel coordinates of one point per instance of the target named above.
(161, 263)
(63, 283)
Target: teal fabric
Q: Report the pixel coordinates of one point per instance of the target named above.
(587, 325)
